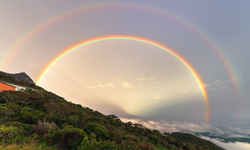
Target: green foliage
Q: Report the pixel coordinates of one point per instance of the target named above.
(195, 141)
(73, 120)
(27, 117)
(68, 137)
(161, 147)
(38, 119)
(7, 131)
(21, 126)
(2, 100)
(99, 130)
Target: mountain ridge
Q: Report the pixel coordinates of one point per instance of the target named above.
(22, 76)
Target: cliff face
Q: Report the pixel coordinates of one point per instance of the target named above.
(20, 77)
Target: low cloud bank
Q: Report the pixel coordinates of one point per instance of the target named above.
(210, 130)
(175, 126)
(230, 145)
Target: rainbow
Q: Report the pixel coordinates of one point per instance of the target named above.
(131, 38)
(86, 8)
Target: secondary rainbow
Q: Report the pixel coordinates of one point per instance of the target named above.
(131, 38)
(100, 6)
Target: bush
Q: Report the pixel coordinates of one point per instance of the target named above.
(2, 100)
(44, 127)
(25, 128)
(69, 137)
(27, 117)
(99, 130)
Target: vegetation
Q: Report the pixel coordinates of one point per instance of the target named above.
(38, 119)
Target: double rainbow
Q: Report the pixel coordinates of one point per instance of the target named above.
(101, 6)
(131, 38)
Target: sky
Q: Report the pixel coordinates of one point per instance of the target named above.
(200, 75)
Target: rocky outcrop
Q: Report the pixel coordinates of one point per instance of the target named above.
(20, 77)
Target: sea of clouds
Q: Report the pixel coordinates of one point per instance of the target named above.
(211, 131)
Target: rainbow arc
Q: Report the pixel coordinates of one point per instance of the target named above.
(131, 38)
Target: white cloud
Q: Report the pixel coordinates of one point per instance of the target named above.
(145, 79)
(223, 131)
(218, 82)
(175, 126)
(115, 84)
(127, 85)
(206, 85)
(155, 82)
(158, 97)
(101, 86)
(110, 84)
(185, 91)
(31, 65)
(213, 89)
(230, 145)
(223, 87)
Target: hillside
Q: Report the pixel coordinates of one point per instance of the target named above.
(38, 119)
(186, 137)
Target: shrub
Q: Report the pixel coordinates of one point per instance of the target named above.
(7, 132)
(44, 127)
(73, 120)
(2, 99)
(99, 130)
(25, 128)
(26, 117)
(69, 137)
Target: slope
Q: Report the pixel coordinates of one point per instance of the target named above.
(38, 119)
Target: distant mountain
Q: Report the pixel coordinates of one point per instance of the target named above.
(186, 137)
(20, 77)
(38, 119)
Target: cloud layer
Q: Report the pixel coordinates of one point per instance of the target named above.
(210, 130)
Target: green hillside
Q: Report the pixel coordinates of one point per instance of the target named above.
(186, 137)
(38, 119)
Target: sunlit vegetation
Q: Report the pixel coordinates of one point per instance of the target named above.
(37, 119)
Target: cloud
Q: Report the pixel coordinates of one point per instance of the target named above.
(127, 85)
(101, 86)
(110, 84)
(218, 82)
(31, 65)
(158, 97)
(175, 126)
(169, 127)
(230, 145)
(206, 85)
(185, 91)
(223, 87)
(145, 79)
(115, 84)
(155, 82)
(222, 131)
